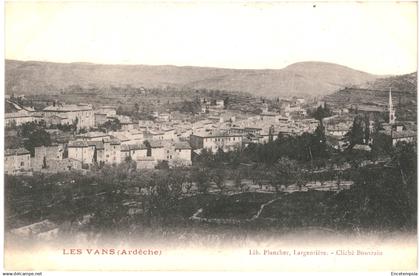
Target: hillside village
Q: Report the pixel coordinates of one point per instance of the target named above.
(84, 136)
(210, 136)
(148, 142)
(158, 157)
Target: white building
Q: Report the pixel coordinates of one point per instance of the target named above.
(220, 103)
(215, 141)
(145, 124)
(183, 152)
(164, 117)
(82, 114)
(52, 119)
(20, 118)
(157, 150)
(45, 156)
(299, 101)
(17, 161)
(110, 111)
(407, 136)
(81, 151)
(93, 136)
(169, 134)
(112, 151)
(271, 117)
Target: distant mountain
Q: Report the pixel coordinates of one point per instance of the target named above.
(405, 83)
(375, 93)
(300, 79)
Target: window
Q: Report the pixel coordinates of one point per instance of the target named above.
(170, 156)
(22, 164)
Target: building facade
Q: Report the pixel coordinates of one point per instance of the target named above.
(17, 161)
(216, 141)
(81, 114)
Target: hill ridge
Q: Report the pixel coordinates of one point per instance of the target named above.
(312, 78)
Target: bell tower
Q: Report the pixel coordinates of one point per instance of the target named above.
(391, 109)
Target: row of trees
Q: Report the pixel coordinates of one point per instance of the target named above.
(366, 132)
(381, 196)
(304, 148)
(34, 134)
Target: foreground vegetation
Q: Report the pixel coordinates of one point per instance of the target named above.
(125, 200)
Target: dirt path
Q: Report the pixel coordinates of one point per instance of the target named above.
(196, 217)
(257, 215)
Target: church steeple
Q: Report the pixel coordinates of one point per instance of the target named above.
(391, 109)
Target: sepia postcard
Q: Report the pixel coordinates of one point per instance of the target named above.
(210, 136)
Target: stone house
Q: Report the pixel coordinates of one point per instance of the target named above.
(17, 161)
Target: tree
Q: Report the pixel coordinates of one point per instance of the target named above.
(206, 158)
(177, 177)
(82, 130)
(356, 133)
(111, 125)
(237, 178)
(218, 177)
(367, 129)
(36, 138)
(201, 179)
(380, 198)
(284, 172)
(318, 143)
(149, 148)
(75, 123)
(301, 179)
(405, 156)
(322, 112)
(190, 107)
(226, 102)
(162, 165)
(120, 110)
(257, 174)
(129, 164)
(382, 144)
(44, 162)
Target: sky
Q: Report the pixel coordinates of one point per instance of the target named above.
(379, 38)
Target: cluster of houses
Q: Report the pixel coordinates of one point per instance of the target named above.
(142, 141)
(208, 105)
(338, 125)
(164, 138)
(147, 142)
(86, 154)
